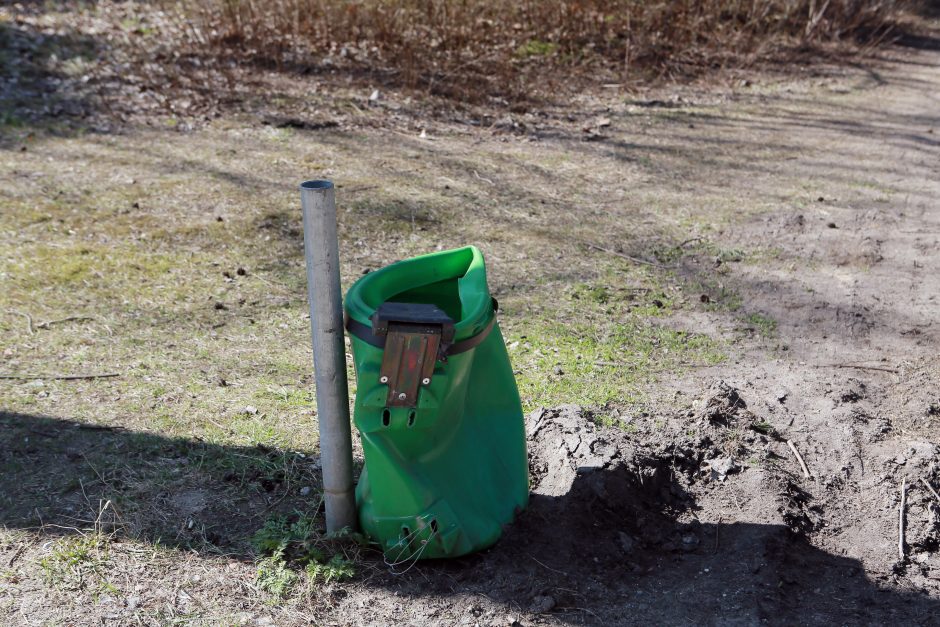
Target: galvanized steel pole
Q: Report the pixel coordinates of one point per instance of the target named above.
(321, 250)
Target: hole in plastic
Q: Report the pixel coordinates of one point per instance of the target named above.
(316, 184)
(434, 525)
(386, 417)
(411, 418)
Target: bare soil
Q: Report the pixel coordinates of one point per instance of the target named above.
(789, 243)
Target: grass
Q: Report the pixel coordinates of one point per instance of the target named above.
(193, 474)
(765, 325)
(77, 563)
(294, 541)
(189, 469)
(600, 365)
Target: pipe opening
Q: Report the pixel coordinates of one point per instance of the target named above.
(316, 184)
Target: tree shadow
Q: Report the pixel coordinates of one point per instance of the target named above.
(63, 476)
(42, 83)
(623, 545)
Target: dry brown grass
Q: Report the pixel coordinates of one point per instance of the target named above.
(478, 49)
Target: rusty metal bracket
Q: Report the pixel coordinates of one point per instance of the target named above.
(413, 336)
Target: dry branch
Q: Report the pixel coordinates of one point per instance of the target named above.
(49, 323)
(901, 518)
(799, 458)
(29, 320)
(859, 367)
(932, 491)
(629, 257)
(59, 377)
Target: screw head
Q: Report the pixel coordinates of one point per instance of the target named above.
(425, 381)
(383, 379)
(402, 396)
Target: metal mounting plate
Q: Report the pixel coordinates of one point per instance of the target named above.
(408, 360)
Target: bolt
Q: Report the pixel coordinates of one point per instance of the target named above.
(383, 379)
(402, 396)
(425, 381)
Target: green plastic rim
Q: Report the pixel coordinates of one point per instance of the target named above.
(462, 266)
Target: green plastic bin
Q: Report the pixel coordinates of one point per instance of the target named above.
(437, 408)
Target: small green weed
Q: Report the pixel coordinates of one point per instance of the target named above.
(289, 541)
(337, 568)
(77, 563)
(765, 325)
(274, 577)
(729, 255)
(279, 535)
(599, 294)
(764, 428)
(716, 295)
(536, 48)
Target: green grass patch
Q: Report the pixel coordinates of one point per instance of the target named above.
(285, 398)
(536, 48)
(765, 325)
(78, 563)
(715, 295)
(582, 362)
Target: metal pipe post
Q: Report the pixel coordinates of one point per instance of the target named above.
(321, 250)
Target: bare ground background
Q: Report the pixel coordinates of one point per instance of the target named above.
(786, 229)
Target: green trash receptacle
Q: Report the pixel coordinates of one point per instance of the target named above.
(437, 408)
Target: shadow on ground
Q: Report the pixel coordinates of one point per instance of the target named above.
(41, 78)
(59, 475)
(608, 551)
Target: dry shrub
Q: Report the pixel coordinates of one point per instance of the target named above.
(474, 49)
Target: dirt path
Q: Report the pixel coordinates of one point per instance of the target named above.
(791, 235)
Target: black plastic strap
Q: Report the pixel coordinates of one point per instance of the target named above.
(364, 333)
(462, 346)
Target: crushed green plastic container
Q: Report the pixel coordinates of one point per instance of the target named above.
(437, 408)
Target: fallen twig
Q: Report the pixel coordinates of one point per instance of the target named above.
(554, 570)
(223, 428)
(48, 323)
(689, 241)
(858, 367)
(483, 178)
(60, 377)
(932, 491)
(16, 555)
(799, 458)
(29, 320)
(630, 258)
(901, 517)
(717, 527)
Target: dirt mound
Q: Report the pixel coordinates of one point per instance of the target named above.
(654, 520)
(610, 499)
(723, 404)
